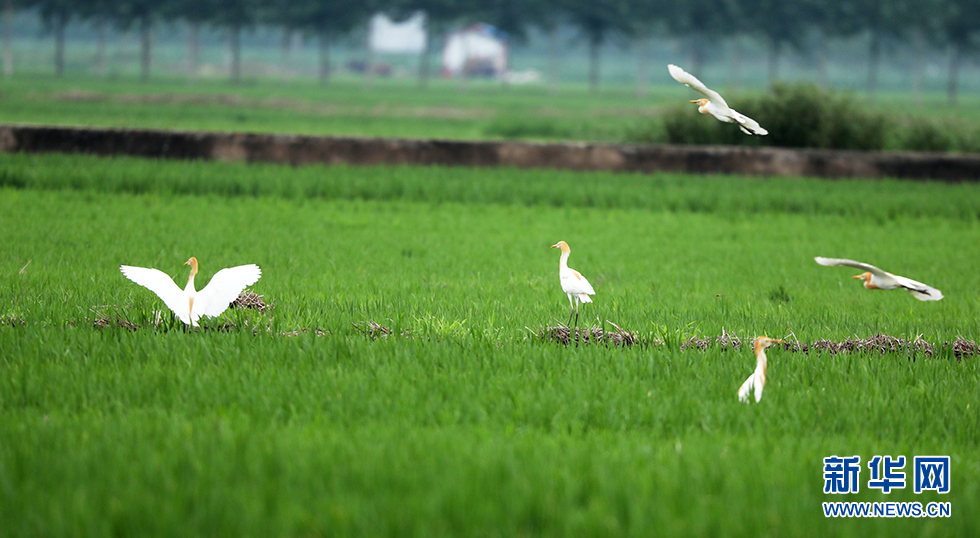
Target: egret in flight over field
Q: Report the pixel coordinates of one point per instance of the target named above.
(572, 282)
(758, 378)
(187, 304)
(876, 279)
(714, 104)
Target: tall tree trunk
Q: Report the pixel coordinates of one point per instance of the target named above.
(697, 53)
(775, 50)
(918, 66)
(504, 75)
(463, 77)
(285, 50)
(735, 76)
(553, 51)
(424, 55)
(59, 44)
(8, 24)
(193, 49)
(368, 59)
(594, 43)
(823, 61)
(323, 71)
(235, 36)
(145, 48)
(641, 67)
(954, 73)
(874, 60)
(101, 28)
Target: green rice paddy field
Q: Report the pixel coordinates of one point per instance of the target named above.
(463, 420)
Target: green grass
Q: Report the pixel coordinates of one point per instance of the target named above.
(399, 108)
(471, 425)
(389, 108)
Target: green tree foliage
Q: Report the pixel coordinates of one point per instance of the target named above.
(960, 24)
(141, 13)
(783, 23)
(703, 22)
(597, 19)
(56, 14)
(327, 20)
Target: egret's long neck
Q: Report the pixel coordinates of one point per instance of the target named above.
(190, 279)
(563, 261)
(761, 361)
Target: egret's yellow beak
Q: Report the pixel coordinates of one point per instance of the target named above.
(695, 101)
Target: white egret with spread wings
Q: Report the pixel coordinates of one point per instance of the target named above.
(187, 304)
(713, 103)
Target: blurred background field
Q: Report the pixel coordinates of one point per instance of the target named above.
(899, 75)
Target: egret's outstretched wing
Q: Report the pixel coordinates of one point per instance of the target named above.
(224, 288)
(692, 82)
(851, 263)
(755, 381)
(161, 284)
(748, 125)
(920, 291)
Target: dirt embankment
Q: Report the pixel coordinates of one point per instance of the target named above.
(298, 150)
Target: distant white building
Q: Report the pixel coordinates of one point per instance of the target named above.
(407, 37)
(477, 50)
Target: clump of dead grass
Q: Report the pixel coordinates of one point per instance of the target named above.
(290, 334)
(695, 342)
(103, 322)
(878, 344)
(13, 321)
(250, 299)
(375, 330)
(962, 348)
(728, 339)
(590, 335)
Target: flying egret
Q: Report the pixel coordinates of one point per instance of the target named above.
(876, 279)
(187, 304)
(715, 104)
(572, 282)
(758, 378)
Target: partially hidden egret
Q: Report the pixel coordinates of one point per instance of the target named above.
(714, 104)
(572, 282)
(757, 380)
(876, 279)
(188, 304)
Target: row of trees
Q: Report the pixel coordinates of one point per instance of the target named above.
(782, 24)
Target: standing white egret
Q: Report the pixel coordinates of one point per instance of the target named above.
(758, 378)
(188, 304)
(572, 282)
(715, 104)
(876, 279)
